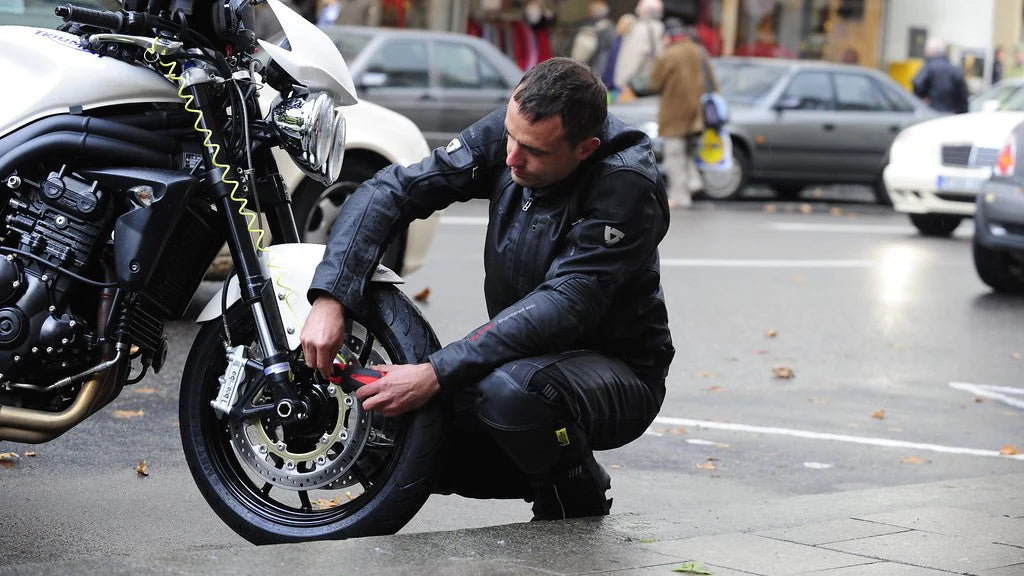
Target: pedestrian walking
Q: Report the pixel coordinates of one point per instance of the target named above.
(622, 27)
(592, 43)
(679, 77)
(939, 82)
(640, 49)
(577, 348)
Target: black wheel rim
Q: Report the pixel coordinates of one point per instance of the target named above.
(314, 508)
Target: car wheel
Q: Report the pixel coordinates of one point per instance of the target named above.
(1001, 271)
(727, 184)
(316, 207)
(788, 191)
(940, 225)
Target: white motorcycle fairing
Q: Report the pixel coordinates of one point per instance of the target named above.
(47, 72)
(313, 61)
(291, 268)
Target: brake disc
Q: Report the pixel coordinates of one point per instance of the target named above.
(263, 446)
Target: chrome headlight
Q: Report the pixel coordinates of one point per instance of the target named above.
(308, 128)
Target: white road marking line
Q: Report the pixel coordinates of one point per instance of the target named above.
(766, 263)
(465, 220)
(841, 228)
(883, 442)
(992, 392)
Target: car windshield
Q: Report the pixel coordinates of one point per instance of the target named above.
(999, 97)
(746, 82)
(39, 13)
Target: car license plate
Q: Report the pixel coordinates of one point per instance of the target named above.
(959, 184)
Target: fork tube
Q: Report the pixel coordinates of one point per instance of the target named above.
(256, 291)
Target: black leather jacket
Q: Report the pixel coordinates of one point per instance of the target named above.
(572, 266)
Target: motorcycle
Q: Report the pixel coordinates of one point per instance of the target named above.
(132, 150)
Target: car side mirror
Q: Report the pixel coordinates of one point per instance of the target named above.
(787, 103)
(373, 80)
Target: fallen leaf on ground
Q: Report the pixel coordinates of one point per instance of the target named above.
(692, 567)
(678, 431)
(895, 429)
(897, 346)
(648, 540)
(143, 468)
(806, 208)
(836, 211)
(1009, 450)
(771, 334)
(30, 454)
(913, 460)
(713, 388)
(321, 504)
(878, 414)
(759, 352)
(770, 208)
(709, 465)
(816, 400)
(1015, 355)
(128, 414)
(422, 295)
(798, 279)
(9, 459)
(616, 466)
(782, 372)
(706, 374)
(144, 390)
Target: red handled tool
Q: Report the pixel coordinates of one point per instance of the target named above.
(351, 377)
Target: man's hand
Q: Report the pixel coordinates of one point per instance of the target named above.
(323, 334)
(402, 388)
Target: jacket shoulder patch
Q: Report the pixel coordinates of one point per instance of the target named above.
(454, 145)
(612, 236)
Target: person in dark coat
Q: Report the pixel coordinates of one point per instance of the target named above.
(939, 82)
(577, 347)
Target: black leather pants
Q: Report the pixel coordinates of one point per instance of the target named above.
(534, 417)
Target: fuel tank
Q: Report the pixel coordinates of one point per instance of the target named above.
(47, 72)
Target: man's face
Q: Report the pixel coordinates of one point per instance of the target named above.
(537, 152)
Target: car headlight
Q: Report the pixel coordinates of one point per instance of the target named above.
(309, 127)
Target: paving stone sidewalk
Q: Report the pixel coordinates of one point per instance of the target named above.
(973, 526)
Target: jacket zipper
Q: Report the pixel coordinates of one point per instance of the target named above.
(523, 235)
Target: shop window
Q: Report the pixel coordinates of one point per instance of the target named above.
(810, 91)
(403, 62)
(856, 92)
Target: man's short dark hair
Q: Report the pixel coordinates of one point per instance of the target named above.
(568, 89)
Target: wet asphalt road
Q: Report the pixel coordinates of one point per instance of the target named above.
(906, 369)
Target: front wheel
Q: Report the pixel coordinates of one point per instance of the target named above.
(727, 184)
(342, 471)
(939, 225)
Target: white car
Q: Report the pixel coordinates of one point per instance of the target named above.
(936, 168)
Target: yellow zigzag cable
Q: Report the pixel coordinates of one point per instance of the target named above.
(249, 215)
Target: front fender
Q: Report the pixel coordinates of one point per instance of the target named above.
(291, 267)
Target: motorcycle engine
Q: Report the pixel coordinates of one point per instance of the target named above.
(47, 318)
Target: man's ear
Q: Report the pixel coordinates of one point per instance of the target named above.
(586, 148)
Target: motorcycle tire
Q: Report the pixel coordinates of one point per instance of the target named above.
(392, 477)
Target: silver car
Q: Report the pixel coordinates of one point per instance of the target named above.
(796, 123)
(442, 81)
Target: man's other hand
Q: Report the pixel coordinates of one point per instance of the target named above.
(402, 388)
(323, 334)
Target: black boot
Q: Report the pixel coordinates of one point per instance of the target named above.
(573, 492)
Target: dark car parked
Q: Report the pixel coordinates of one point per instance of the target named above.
(999, 221)
(795, 123)
(442, 81)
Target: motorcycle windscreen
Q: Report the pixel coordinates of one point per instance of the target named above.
(313, 61)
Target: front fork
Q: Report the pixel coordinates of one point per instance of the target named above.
(257, 291)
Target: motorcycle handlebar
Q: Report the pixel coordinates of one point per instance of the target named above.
(113, 21)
